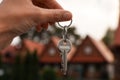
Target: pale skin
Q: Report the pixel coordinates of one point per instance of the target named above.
(19, 16)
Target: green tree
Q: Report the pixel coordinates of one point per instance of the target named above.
(109, 36)
(44, 36)
(49, 74)
(3, 70)
(72, 35)
(17, 69)
(36, 36)
(27, 69)
(1, 67)
(31, 67)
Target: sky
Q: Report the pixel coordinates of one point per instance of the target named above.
(92, 17)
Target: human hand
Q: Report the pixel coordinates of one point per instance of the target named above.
(18, 16)
(49, 4)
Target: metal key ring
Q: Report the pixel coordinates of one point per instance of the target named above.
(67, 25)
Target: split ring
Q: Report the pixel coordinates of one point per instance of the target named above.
(65, 25)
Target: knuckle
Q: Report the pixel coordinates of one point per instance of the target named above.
(57, 16)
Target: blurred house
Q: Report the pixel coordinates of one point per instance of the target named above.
(10, 52)
(116, 50)
(90, 60)
(51, 56)
(31, 46)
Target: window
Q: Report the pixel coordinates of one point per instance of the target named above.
(88, 50)
(52, 51)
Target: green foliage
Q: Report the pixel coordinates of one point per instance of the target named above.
(3, 71)
(49, 74)
(17, 70)
(26, 69)
(72, 35)
(53, 31)
(109, 36)
(1, 77)
(31, 66)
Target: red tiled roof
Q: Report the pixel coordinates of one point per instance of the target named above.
(104, 50)
(27, 44)
(55, 40)
(107, 55)
(32, 46)
(46, 57)
(56, 59)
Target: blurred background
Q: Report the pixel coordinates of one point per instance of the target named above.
(95, 53)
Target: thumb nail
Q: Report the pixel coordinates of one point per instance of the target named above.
(67, 15)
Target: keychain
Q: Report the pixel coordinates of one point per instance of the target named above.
(64, 47)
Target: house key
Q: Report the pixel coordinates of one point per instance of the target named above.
(64, 46)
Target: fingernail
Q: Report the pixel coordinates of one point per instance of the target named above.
(67, 15)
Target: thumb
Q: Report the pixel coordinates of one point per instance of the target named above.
(55, 15)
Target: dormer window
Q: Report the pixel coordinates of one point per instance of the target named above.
(88, 50)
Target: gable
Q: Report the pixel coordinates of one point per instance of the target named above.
(87, 52)
(33, 46)
(50, 54)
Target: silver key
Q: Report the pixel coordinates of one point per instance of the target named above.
(64, 47)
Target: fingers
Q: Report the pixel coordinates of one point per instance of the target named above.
(40, 27)
(55, 15)
(51, 4)
(39, 3)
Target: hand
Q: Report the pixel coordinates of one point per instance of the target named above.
(18, 16)
(50, 4)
